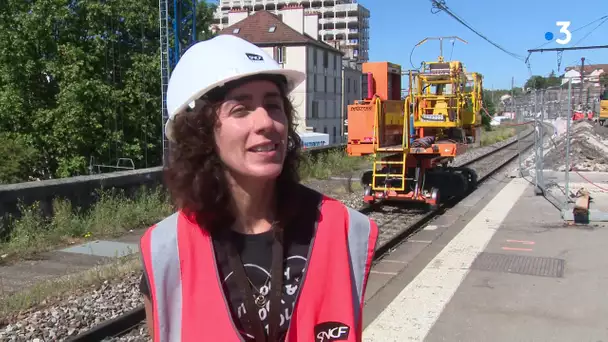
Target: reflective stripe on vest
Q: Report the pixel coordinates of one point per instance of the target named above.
(187, 295)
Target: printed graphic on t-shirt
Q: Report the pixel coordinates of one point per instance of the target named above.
(292, 273)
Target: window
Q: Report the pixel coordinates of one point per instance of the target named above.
(314, 56)
(315, 110)
(335, 135)
(272, 29)
(348, 85)
(364, 84)
(316, 80)
(325, 58)
(236, 30)
(279, 53)
(325, 129)
(335, 85)
(325, 84)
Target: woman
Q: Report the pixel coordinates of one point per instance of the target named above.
(251, 255)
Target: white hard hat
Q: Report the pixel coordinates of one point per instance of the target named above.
(214, 62)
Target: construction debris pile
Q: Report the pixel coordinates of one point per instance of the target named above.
(588, 149)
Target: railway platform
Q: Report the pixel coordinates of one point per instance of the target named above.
(500, 266)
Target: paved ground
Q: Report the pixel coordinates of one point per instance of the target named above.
(25, 273)
(47, 266)
(457, 279)
(512, 271)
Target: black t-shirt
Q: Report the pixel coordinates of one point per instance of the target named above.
(256, 253)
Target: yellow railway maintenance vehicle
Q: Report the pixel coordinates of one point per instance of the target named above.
(443, 119)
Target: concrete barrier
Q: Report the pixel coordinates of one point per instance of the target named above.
(82, 191)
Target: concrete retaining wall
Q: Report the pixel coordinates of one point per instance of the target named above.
(82, 190)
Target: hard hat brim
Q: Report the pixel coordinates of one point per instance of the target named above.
(294, 79)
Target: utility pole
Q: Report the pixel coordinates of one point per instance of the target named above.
(519, 120)
(580, 94)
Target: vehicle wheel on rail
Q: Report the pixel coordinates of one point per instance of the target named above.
(367, 178)
(458, 184)
(436, 200)
(471, 177)
(367, 191)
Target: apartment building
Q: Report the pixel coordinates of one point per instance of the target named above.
(352, 90)
(343, 24)
(292, 39)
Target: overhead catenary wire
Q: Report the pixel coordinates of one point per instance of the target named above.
(452, 51)
(440, 5)
(590, 32)
(604, 17)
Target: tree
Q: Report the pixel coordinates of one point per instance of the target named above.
(22, 157)
(491, 110)
(204, 17)
(604, 80)
(80, 82)
(540, 82)
(536, 82)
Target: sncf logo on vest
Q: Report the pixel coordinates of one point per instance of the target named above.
(331, 331)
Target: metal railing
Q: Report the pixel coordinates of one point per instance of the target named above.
(82, 191)
(553, 164)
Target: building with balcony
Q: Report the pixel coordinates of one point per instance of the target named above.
(292, 39)
(343, 24)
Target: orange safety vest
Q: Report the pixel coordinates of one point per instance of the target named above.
(189, 303)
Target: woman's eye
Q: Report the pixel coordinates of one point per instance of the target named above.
(239, 110)
(274, 106)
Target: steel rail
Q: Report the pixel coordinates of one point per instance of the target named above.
(130, 320)
(412, 228)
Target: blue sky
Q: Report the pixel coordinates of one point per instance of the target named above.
(517, 25)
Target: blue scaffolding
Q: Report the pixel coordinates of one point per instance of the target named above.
(177, 33)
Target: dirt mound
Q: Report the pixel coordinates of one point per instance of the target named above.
(588, 149)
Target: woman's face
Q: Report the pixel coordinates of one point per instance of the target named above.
(251, 135)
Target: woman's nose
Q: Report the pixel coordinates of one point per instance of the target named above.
(262, 119)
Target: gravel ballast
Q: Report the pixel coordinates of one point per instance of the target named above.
(77, 314)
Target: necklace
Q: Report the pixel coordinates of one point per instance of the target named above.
(260, 298)
(274, 317)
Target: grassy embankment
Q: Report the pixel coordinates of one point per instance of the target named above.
(116, 214)
(113, 215)
(497, 134)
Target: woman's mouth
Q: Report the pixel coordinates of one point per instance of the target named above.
(271, 147)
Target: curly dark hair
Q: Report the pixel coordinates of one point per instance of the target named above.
(195, 175)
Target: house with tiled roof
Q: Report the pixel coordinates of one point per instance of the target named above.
(590, 68)
(292, 38)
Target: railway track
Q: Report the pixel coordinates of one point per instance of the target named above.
(396, 224)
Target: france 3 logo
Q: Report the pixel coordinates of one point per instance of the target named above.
(563, 25)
